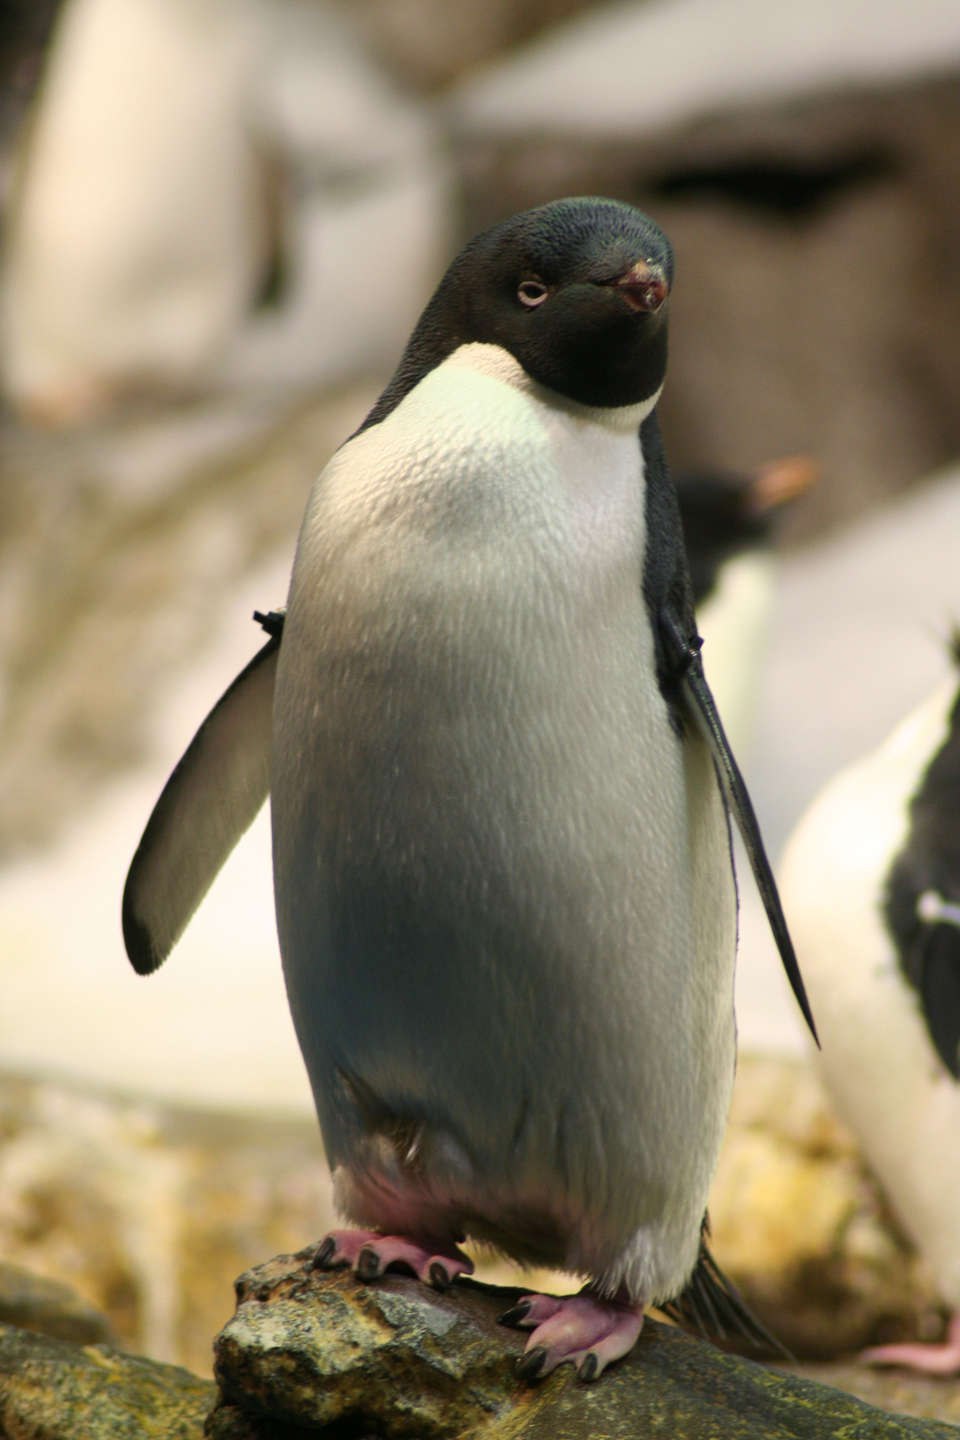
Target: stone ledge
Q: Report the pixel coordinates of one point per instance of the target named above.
(53, 1390)
(312, 1353)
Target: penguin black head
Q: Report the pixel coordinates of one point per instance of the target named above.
(725, 514)
(575, 290)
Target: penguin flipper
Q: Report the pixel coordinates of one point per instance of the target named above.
(686, 666)
(210, 799)
(936, 963)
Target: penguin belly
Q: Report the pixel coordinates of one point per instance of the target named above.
(504, 890)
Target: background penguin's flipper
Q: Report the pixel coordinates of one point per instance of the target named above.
(936, 963)
(210, 799)
(683, 655)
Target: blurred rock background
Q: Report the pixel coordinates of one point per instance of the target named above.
(219, 220)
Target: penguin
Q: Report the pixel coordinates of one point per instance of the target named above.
(729, 521)
(872, 878)
(729, 516)
(137, 234)
(500, 795)
(199, 183)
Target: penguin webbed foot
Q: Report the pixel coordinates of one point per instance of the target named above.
(585, 1330)
(939, 1358)
(369, 1254)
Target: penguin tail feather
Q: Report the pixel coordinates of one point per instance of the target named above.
(710, 1305)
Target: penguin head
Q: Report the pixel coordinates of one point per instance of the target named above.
(576, 290)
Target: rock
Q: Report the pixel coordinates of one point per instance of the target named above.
(906, 1393)
(52, 1390)
(394, 1359)
(47, 1307)
(582, 77)
(149, 1211)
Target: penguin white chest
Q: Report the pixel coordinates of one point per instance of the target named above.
(478, 558)
(468, 674)
(482, 477)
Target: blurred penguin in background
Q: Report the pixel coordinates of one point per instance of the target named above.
(183, 158)
(871, 881)
(730, 522)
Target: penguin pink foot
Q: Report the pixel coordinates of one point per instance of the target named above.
(369, 1254)
(936, 1359)
(586, 1330)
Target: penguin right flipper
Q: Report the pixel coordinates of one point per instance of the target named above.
(936, 964)
(686, 666)
(210, 799)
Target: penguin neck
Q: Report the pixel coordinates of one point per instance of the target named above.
(493, 361)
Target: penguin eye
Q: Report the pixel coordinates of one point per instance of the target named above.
(532, 293)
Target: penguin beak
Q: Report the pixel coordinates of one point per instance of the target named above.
(779, 483)
(644, 287)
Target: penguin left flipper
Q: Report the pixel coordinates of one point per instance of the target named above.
(682, 653)
(210, 799)
(935, 962)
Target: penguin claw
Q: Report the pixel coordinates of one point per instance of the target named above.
(368, 1265)
(439, 1275)
(531, 1363)
(369, 1254)
(531, 1310)
(589, 1367)
(582, 1330)
(327, 1256)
